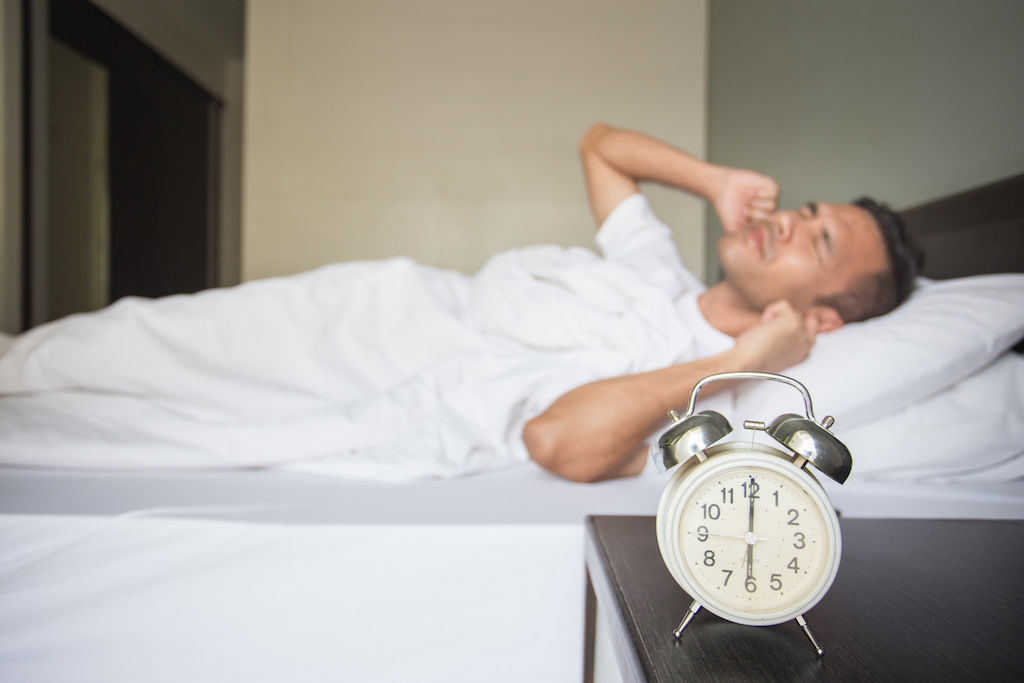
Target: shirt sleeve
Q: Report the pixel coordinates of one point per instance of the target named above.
(633, 236)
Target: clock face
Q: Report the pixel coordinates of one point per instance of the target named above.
(749, 535)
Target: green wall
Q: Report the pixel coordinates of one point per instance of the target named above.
(904, 100)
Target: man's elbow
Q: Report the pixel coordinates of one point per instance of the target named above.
(551, 450)
(541, 439)
(590, 139)
(546, 445)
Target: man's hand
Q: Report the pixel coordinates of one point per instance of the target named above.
(744, 197)
(782, 338)
(615, 160)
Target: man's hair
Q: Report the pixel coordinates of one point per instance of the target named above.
(878, 293)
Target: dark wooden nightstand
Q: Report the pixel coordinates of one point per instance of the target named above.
(915, 600)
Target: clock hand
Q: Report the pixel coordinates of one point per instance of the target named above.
(750, 528)
(750, 533)
(757, 539)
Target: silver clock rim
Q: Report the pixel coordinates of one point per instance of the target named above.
(722, 457)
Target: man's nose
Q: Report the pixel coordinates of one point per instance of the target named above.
(786, 223)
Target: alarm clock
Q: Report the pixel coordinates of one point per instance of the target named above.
(743, 527)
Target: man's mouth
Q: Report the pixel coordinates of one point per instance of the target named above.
(761, 237)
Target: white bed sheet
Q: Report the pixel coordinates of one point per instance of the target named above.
(154, 599)
(269, 575)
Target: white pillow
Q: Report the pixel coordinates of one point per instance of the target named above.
(971, 430)
(945, 331)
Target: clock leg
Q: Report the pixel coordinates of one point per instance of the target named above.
(694, 608)
(807, 629)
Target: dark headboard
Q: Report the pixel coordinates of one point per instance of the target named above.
(972, 232)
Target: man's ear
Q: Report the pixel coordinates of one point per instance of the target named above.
(827, 318)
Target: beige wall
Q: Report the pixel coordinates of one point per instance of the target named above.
(447, 130)
(906, 100)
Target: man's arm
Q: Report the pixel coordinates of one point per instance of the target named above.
(615, 160)
(599, 430)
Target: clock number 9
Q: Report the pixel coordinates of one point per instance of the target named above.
(702, 533)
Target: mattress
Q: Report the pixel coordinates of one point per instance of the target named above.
(267, 575)
(518, 495)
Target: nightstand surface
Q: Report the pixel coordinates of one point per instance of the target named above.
(913, 600)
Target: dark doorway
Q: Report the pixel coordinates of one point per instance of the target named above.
(139, 217)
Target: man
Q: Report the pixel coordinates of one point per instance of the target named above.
(788, 275)
(396, 370)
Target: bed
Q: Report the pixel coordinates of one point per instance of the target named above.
(258, 573)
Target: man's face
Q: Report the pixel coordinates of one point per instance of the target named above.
(803, 255)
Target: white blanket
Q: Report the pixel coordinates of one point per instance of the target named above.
(384, 370)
